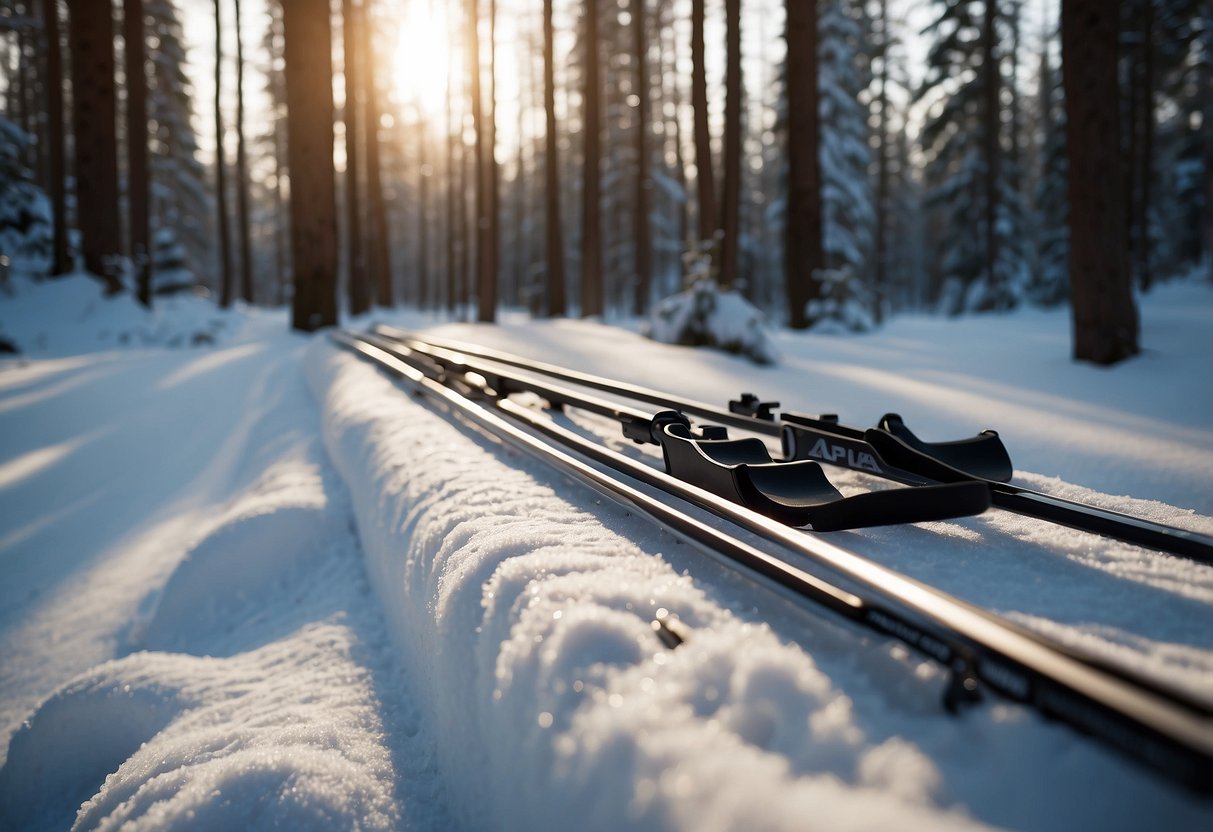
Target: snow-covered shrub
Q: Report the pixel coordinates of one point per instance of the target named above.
(706, 315)
(25, 212)
(845, 304)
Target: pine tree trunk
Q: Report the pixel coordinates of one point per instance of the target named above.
(804, 253)
(242, 182)
(425, 285)
(309, 96)
(486, 266)
(57, 170)
(556, 301)
(991, 126)
(1145, 157)
(136, 148)
(453, 133)
(591, 239)
(641, 232)
(704, 177)
(221, 219)
(1105, 317)
(734, 94)
(357, 286)
(880, 255)
(381, 257)
(90, 35)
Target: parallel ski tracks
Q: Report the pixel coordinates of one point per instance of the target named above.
(1162, 728)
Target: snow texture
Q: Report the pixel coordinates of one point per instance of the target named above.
(253, 583)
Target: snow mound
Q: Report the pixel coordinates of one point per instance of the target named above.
(531, 625)
(705, 315)
(72, 314)
(288, 732)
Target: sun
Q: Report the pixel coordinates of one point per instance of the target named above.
(422, 58)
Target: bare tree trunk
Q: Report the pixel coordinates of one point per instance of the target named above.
(221, 220)
(734, 95)
(358, 293)
(57, 170)
(556, 301)
(991, 121)
(136, 148)
(643, 242)
(309, 94)
(705, 179)
(1105, 316)
(242, 183)
(880, 275)
(453, 133)
(486, 266)
(425, 285)
(591, 233)
(804, 252)
(90, 34)
(381, 257)
(1145, 158)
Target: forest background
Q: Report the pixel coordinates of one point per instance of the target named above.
(835, 162)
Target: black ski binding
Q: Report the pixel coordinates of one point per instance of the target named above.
(798, 493)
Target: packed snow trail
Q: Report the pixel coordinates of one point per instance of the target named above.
(184, 625)
(188, 635)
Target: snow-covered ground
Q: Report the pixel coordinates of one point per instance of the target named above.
(248, 583)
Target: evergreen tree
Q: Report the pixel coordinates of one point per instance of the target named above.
(981, 264)
(846, 156)
(180, 212)
(26, 235)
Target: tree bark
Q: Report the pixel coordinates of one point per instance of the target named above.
(309, 95)
(880, 255)
(357, 286)
(991, 127)
(641, 230)
(381, 253)
(734, 93)
(704, 178)
(221, 220)
(485, 255)
(591, 239)
(804, 253)
(57, 170)
(556, 301)
(90, 36)
(136, 149)
(242, 183)
(1105, 316)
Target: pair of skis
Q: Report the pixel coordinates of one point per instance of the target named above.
(947, 479)
(1149, 721)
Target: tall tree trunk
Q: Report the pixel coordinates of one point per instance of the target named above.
(309, 95)
(804, 253)
(57, 170)
(684, 223)
(591, 232)
(704, 177)
(641, 231)
(556, 302)
(452, 133)
(90, 35)
(734, 94)
(358, 293)
(381, 257)
(991, 127)
(1145, 157)
(880, 274)
(136, 148)
(242, 182)
(486, 266)
(1105, 316)
(221, 219)
(425, 284)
